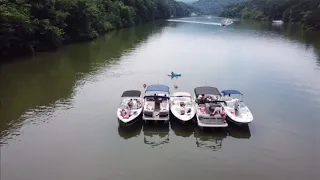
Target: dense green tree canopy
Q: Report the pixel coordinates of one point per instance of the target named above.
(214, 6)
(306, 12)
(28, 26)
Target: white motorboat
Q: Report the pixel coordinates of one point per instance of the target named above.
(156, 103)
(182, 106)
(234, 107)
(209, 111)
(130, 107)
(226, 22)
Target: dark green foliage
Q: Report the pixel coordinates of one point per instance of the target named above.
(214, 6)
(28, 26)
(305, 12)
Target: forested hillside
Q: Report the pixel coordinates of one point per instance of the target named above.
(305, 12)
(213, 6)
(28, 26)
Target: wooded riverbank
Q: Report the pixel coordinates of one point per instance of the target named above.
(304, 12)
(34, 26)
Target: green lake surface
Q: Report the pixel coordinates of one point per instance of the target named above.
(58, 110)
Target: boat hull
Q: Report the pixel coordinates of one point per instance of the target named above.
(239, 120)
(243, 117)
(132, 119)
(174, 75)
(214, 123)
(164, 119)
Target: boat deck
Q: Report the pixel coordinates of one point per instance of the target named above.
(212, 122)
(156, 117)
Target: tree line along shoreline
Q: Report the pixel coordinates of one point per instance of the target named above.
(303, 12)
(29, 26)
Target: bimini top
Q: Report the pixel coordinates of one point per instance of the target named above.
(225, 92)
(158, 87)
(207, 90)
(131, 93)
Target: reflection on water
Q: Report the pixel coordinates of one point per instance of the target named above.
(134, 130)
(156, 134)
(209, 138)
(182, 130)
(49, 81)
(239, 132)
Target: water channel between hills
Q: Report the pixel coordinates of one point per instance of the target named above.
(58, 110)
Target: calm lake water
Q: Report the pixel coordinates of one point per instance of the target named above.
(58, 110)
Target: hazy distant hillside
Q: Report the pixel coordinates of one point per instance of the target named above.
(213, 6)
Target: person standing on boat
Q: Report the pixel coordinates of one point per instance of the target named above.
(236, 106)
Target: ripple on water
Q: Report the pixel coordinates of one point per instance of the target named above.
(34, 116)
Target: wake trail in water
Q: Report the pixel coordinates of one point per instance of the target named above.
(195, 22)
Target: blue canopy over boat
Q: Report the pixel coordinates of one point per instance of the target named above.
(225, 92)
(158, 87)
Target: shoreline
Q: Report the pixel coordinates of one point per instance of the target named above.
(21, 56)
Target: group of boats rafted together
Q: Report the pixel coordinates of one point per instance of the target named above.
(208, 105)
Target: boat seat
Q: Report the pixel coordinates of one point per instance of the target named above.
(150, 105)
(163, 113)
(148, 113)
(164, 105)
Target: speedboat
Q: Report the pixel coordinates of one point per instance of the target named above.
(209, 111)
(182, 106)
(226, 22)
(156, 103)
(130, 107)
(235, 108)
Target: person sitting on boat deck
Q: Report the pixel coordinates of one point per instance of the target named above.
(130, 103)
(217, 111)
(201, 98)
(172, 73)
